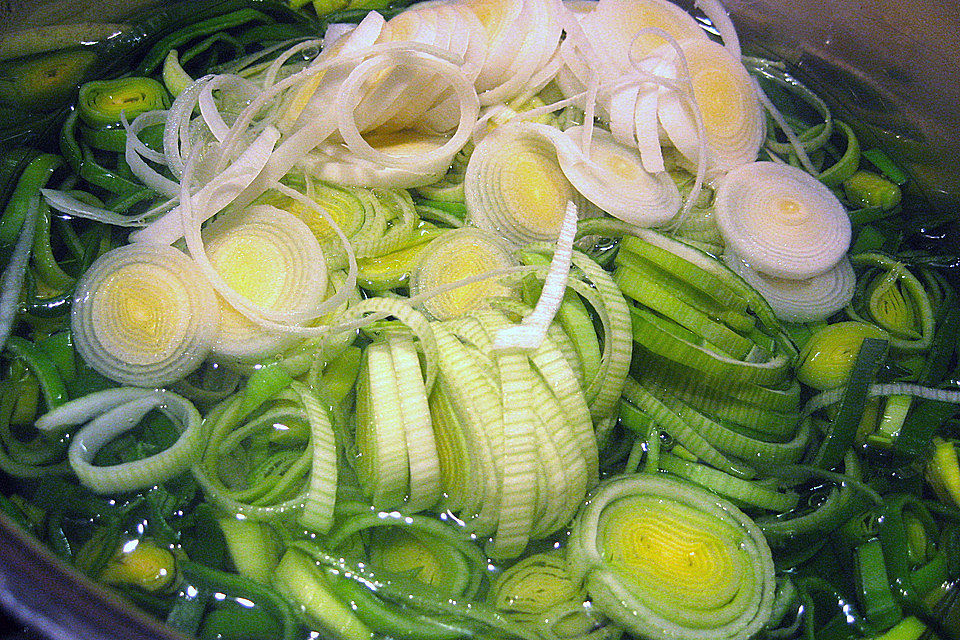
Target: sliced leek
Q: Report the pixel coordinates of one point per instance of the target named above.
(728, 102)
(666, 559)
(454, 256)
(514, 186)
(612, 176)
(268, 256)
(144, 316)
(781, 221)
(806, 300)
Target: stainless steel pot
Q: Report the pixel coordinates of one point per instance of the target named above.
(892, 67)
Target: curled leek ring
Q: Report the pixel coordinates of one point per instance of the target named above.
(665, 559)
(138, 474)
(102, 103)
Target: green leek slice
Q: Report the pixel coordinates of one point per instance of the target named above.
(665, 559)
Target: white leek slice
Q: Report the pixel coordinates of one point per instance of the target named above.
(613, 178)
(808, 300)
(456, 255)
(781, 220)
(626, 31)
(144, 316)
(514, 187)
(269, 256)
(729, 105)
(530, 333)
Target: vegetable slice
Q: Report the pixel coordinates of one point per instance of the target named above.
(781, 220)
(665, 559)
(144, 316)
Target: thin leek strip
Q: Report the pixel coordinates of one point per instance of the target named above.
(604, 390)
(451, 257)
(142, 315)
(721, 21)
(230, 88)
(85, 408)
(669, 422)
(669, 340)
(807, 300)
(382, 460)
(773, 72)
(742, 492)
(709, 391)
(69, 204)
(213, 196)
(139, 474)
(135, 152)
(519, 462)
(532, 330)
(16, 270)
(554, 370)
(729, 441)
(658, 298)
(459, 475)
(781, 221)
(422, 459)
(665, 559)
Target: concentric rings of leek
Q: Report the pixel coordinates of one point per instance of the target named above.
(729, 104)
(613, 178)
(514, 187)
(143, 315)
(806, 300)
(105, 102)
(781, 220)
(665, 560)
(272, 258)
(453, 256)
